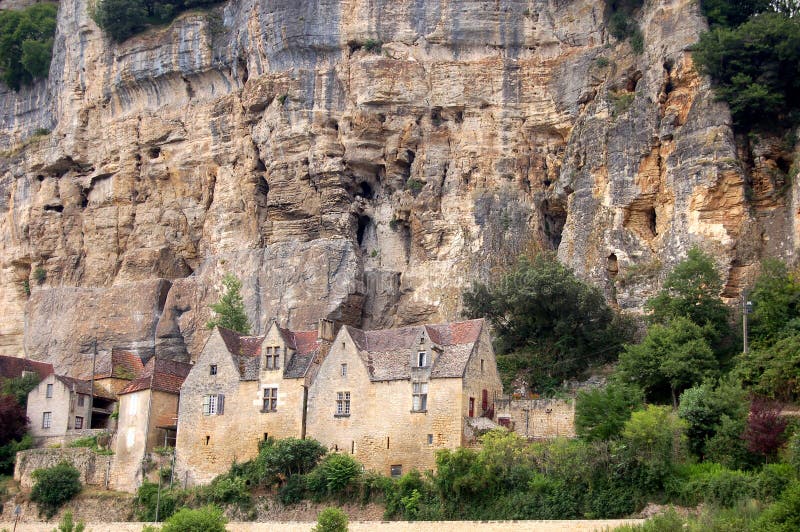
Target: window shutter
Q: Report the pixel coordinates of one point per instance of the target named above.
(220, 404)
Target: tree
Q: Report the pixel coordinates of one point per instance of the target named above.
(773, 370)
(19, 387)
(26, 43)
(552, 323)
(692, 290)
(285, 458)
(13, 421)
(748, 64)
(331, 520)
(655, 434)
(765, 430)
(776, 302)
(601, 413)
(54, 486)
(731, 13)
(121, 19)
(671, 357)
(702, 407)
(230, 307)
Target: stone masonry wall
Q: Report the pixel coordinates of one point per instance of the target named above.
(537, 418)
(94, 468)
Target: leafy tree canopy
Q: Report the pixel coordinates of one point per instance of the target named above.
(704, 406)
(19, 387)
(601, 413)
(776, 303)
(121, 19)
(26, 43)
(731, 13)
(753, 68)
(230, 307)
(692, 291)
(55, 486)
(13, 421)
(672, 357)
(557, 324)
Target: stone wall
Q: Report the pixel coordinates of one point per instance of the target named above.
(537, 418)
(94, 468)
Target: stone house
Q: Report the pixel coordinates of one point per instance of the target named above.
(148, 412)
(14, 367)
(392, 398)
(59, 407)
(115, 370)
(241, 390)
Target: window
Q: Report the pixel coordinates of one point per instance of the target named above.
(78, 422)
(344, 370)
(422, 359)
(430, 439)
(81, 399)
(396, 471)
(272, 358)
(213, 405)
(46, 418)
(420, 394)
(342, 403)
(212, 370)
(270, 400)
(471, 407)
(481, 365)
(49, 390)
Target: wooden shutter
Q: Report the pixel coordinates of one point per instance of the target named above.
(220, 404)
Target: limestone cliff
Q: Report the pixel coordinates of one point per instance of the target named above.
(362, 161)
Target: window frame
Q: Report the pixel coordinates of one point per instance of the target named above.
(269, 396)
(47, 420)
(212, 370)
(78, 423)
(344, 370)
(81, 399)
(419, 396)
(422, 359)
(210, 404)
(342, 404)
(48, 392)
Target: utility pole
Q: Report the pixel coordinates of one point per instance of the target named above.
(747, 308)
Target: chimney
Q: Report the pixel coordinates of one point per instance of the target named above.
(326, 330)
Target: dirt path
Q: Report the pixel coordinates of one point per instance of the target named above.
(368, 526)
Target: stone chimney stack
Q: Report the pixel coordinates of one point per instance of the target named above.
(326, 330)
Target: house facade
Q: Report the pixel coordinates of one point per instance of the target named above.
(241, 390)
(61, 405)
(148, 412)
(392, 398)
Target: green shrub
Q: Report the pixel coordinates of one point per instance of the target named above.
(26, 43)
(372, 45)
(144, 503)
(334, 475)
(40, 274)
(54, 486)
(331, 520)
(121, 19)
(414, 185)
(227, 489)
(727, 488)
(68, 525)
(783, 515)
(294, 490)
(601, 413)
(773, 479)
(206, 519)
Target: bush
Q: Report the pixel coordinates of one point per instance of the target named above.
(206, 519)
(334, 475)
(8, 452)
(331, 520)
(146, 499)
(773, 480)
(283, 458)
(601, 413)
(26, 43)
(294, 490)
(68, 525)
(227, 489)
(121, 19)
(54, 486)
(784, 515)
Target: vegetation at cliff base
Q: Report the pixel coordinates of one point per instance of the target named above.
(548, 324)
(13, 419)
(55, 486)
(121, 19)
(752, 54)
(26, 43)
(230, 307)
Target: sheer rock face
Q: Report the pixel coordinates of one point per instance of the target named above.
(362, 161)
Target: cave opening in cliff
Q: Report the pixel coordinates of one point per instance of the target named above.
(363, 224)
(55, 208)
(650, 215)
(154, 152)
(554, 217)
(365, 190)
(612, 266)
(262, 189)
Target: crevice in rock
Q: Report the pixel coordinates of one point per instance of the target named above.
(364, 223)
(365, 190)
(640, 218)
(554, 217)
(154, 152)
(55, 208)
(612, 267)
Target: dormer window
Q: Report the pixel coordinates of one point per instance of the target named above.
(272, 358)
(422, 359)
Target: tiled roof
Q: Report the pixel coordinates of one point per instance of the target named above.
(161, 375)
(387, 353)
(83, 386)
(120, 364)
(12, 367)
(246, 351)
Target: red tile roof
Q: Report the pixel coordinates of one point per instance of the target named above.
(12, 367)
(161, 375)
(120, 364)
(83, 386)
